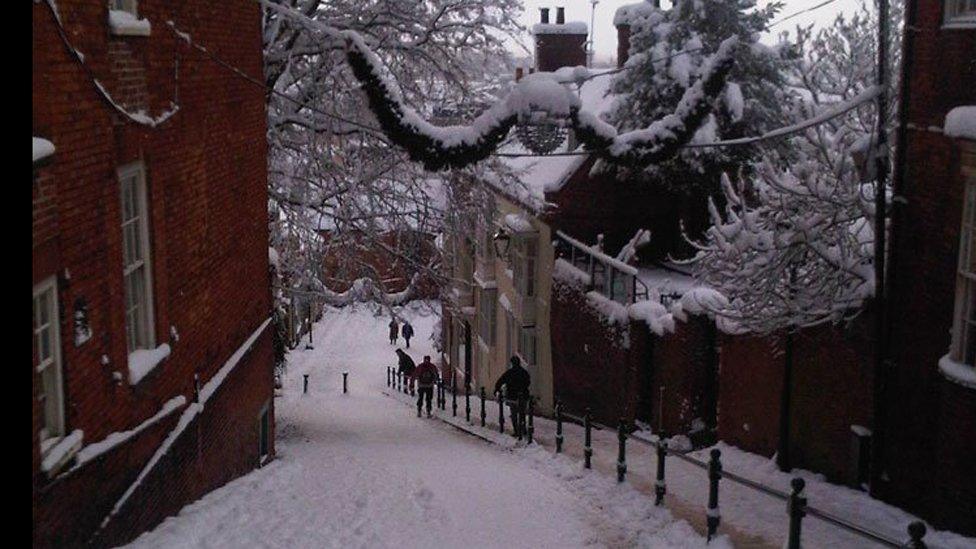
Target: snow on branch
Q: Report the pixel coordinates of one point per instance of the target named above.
(665, 136)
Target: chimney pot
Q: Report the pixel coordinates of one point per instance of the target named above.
(560, 15)
(544, 16)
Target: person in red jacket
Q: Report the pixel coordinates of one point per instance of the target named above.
(426, 375)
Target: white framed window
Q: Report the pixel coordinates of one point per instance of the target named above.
(47, 342)
(487, 316)
(136, 264)
(959, 13)
(964, 321)
(524, 252)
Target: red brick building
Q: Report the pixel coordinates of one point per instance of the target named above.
(152, 359)
(925, 431)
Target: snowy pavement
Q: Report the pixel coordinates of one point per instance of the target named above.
(361, 470)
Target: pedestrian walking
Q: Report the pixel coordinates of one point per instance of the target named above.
(426, 375)
(406, 367)
(516, 381)
(394, 331)
(407, 332)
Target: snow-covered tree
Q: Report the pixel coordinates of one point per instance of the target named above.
(794, 245)
(667, 50)
(337, 187)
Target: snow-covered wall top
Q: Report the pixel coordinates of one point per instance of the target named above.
(42, 148)
(573, 27)
(961, 122)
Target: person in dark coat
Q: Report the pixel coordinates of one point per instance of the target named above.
(394, 331)
(407, 332)
(426, 375)
(516, 381)
(406, 367)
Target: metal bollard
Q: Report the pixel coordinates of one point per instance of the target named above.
(482, 406)
(345, 382)
(399, 380)
(916, 531)
(530, 430)
(713, 517)
(305, 383)
(388, 376)
(467, 402)
(621, 450)
(587, 448)
(796, 507)
(559, 427)
(501, 412)
(660, 488)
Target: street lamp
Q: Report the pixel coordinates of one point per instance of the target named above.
(501, 240)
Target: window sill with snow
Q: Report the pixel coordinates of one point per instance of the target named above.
(144, 361)
(124, 23)
(963, 374)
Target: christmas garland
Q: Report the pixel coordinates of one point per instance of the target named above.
(439, 148)
(664, 137)
(406, 129)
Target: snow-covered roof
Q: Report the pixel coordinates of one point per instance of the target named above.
(961, 122)
(573, 27)
(546, 174)
(42, 148)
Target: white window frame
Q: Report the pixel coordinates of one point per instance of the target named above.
(525, 262)
(964, 315)
(959, 14)
(487, 315)
(146, 337)
(54, 427)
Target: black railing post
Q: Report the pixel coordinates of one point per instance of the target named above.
(530, 431)
(305, 383)
(467, 402)
(714, 475)
(399, 381)
(440, 393)
(796, 506)
(345, 382)
(916, 531)
(388, 376)
(501, 412)
(482, 394)
(587, 448)
(559, 427)
(453, 395)
(621, 450)
(660, 488)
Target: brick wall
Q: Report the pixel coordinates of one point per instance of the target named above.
(684, 364)
(592, 366)
(927, 462)
(206, 183)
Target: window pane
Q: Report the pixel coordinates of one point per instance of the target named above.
(52, 404)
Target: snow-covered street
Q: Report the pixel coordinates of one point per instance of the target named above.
(361, 470)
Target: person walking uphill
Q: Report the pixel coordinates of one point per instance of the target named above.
(407, 332)
(394, 331)
(406, 367)
(426, 375)
(516, 381)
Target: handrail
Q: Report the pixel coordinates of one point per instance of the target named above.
(638, 289)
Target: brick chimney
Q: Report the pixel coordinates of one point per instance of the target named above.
(622, 21)
(559, 44)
